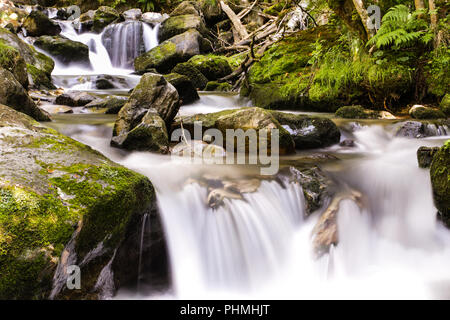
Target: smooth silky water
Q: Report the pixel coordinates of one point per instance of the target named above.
(260, 247)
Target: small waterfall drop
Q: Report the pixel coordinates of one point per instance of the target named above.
(144, 228)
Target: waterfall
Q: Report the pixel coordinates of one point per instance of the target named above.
(127, 40)
(144, 221)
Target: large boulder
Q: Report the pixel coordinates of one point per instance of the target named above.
(422, 112)
(170, 52)
(352, 112)
(85, 22)
(179, 24)
(74, 99)
(186, 7)
(184, 86)
(11, 60)
(425, 156)
(39, 66)
(245, 118)
(38, 24)
(104, 16)
(309, 132)
(440, 181)
(15, 96)
(110, 104)
(187, 69)
(132, 14)
(65, 50)
(63, 203)
(213, 67)
(143, 120)
(218, 86)
(422, 129)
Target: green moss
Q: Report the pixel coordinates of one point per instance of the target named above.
(352, 112)
(218, 86)
(212, 66)
(41, 79)
(159, 57)
(436, 71)
(445, 105)
(440, 180)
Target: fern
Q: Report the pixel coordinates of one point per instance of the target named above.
(401, 28)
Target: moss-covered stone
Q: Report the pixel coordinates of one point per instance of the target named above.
(440, 181)
(104, 16)
(218, 86)
(198, 79)
(179, 24)
(171, 52)
(184, 86)
(11, 60)
(51, 188)
(212, 66)
(244, 118)
(65, 50)
(352, 112)
(425, 156)
(445, 105)
(421, 112)
(38, 24)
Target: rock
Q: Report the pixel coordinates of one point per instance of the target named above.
(11, 60)
(244, 118)
(186, 7)
(149, 135)
(198, 79)
(38, 24)
(445, 105)
(142, 122)
(218, 86)
(348, 143)
(132, 14)
(104, 16)
(352, 112)
(212, 12)
(15, 96)
(425, 156)
(309, 132)
(154, 18)
(422, 112)
(179, 24)
(213, 67)
(85, 22)
(422, 129)
(103, 83)
(112, 104)
(184, 86)
(64, 203)
(74, 99)
(440, 181)
(410, 129)
(56, 109)
(39, 66)
(175, 50)
(65, 50)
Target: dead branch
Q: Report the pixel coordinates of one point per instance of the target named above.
(237, 25)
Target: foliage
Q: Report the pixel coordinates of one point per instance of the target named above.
(401, 28)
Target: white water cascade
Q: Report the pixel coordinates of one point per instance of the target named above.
(260, 247)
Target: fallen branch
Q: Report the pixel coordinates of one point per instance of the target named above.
(237, 25)
(246, 11)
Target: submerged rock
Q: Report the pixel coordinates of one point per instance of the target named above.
(171, 52)
(212, 67)
(425, 156)
(245, 118)
(38, 24)
(309, 132)
(74, 99)
(416, 129)
(63, 203)
(64, 49)
(440, 181)
(184, 86)
(15, 96)
(176, 25)
(143, 120)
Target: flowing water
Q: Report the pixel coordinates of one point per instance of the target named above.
(260, 246)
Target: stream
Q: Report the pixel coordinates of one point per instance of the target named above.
(259, 247)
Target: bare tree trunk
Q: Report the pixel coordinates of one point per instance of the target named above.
(362, 11)
(419, 4)
(237, 24)
(433, 14)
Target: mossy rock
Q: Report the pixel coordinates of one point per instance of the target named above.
(104, 16)
(111, 104)
(421, 112)
(198, 79)
(179, 24)
(218, 86)
(38, 24)
(65, 50)
(440, 181)
(169, 53)
(186, 7)
(445, 105)
(39, 66)
(352, 112)
(53, 188)
(213, 67)
(184, 86)
(425, 156)
(11, 60)
(244, 118)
